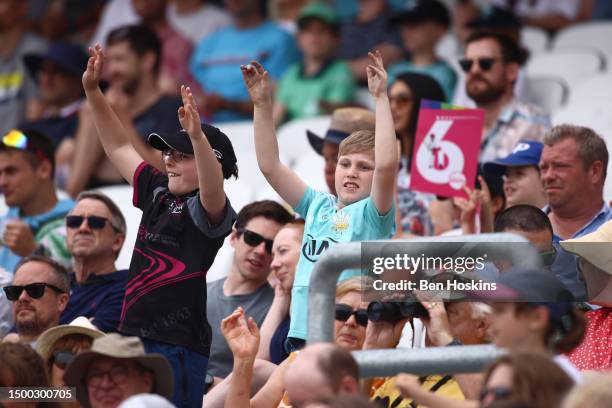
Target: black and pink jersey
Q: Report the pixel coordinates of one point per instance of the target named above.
(165, 296)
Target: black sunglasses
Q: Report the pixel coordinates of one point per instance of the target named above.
(485, 64)
(253, 239)
(94, 222)
(34, 290)
(344, 312)
(62, 358)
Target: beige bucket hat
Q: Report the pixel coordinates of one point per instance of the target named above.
(80, 325)
(344, 121)
(595, 247)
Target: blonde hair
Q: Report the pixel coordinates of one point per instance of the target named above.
(361, 141)
(297, 226)
(594, 392)
(361, 284)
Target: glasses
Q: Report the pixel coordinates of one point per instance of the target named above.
(175, 155)
(485, 64)
(34, 290)
(62, 358)
(499, 393)
(344, 312)
(400, 100)
(117, 374)
(548, 257)
(253, 239)
(94, 222)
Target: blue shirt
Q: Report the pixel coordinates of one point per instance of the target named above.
(326, 225)
(100, 297)
(216, 61)
(565, 266)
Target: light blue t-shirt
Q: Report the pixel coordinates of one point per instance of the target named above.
(327, 226)
(216, 61)
(439, 70)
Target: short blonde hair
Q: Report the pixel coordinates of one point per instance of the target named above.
(361, 141)
(361, 284)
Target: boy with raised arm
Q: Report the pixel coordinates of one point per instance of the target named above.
(186, 216)
(365, 177)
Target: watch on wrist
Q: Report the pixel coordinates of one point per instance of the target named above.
(455, 342)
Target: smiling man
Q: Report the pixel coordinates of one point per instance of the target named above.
(247, 282)
(573, 171)
(96, 233)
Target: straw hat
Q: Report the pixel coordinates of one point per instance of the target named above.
(594, 247)
(344, 121)
(116, 346)
(80, 325)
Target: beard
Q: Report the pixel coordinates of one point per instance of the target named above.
(487, 94)
(31, 326)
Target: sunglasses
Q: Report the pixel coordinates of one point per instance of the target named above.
(62, 358)
(94, 222)
(253, 239)
(485, 64)
(344, 312)
(400, 100)
(499, 393)
(34, 290)
(175, 155)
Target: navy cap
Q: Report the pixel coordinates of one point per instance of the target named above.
(69, 57)
(181, 142)
(495, 17)
(525, 153)
(423, 11)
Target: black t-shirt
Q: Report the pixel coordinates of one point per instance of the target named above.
(160, 117)
(165, 296)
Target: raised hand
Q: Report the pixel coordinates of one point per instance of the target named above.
(188, 114)
(241, 334)
(377, 75)
(93, 73)
(257, 81)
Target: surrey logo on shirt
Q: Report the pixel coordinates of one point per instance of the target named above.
(340, 221)
(314, 247)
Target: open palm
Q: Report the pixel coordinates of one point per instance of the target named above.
(93, 72)
(257, 81)
(241, 334)
(188, 113)
(377, 76)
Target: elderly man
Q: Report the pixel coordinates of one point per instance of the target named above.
(573, 171)
(39, 293)
(96, 233)
(115, 369)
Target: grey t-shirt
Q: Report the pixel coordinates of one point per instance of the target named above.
(16, 84)
(218, 307)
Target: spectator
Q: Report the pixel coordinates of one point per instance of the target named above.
(285, 13)
(527, 377)
(35, 221)
(17, 87)
(367, 31)
(246, 285)
(6, 320)
(60, 344)
(58, 72)
(196, 19)
(186, 217)
(364, 209)
(39, 293)
(134, 54)
(548, 15)
(405, 95)
(573, 171)
(595, 268)
(115, 369)
(349, 333)
(286, 251)
(422, 26)
(216, 59)
(595, 392)
(344, 121)
(491, 67)
(116, 13)
(175, 49)
(96, 233)
(318, 84)
(522, 184)
(21, 367)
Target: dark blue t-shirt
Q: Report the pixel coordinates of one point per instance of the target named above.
(277, 342)
(100, 297)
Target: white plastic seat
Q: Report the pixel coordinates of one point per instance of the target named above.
(448, 47)
(310, 168)
(594, 35)
(547, 92)
(292, 139)
(595, 89)
(535, 39)
(569, 65)
(240, 134)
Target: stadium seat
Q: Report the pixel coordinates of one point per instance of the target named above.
(363, 98)
(547, 92)
(292, 139)
(240, 133)
(570, 65)
(595, 89)
(594, 35)
(239, 192)
(310, 169)
(535, 40)
(448, 47)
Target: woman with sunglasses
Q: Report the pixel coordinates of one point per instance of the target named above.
(405, 95)
(59, 345)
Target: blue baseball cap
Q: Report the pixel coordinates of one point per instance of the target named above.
(525, 153)
(69, 57)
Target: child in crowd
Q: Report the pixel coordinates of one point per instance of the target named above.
(186, 217)
(365, 177)
(422, 27)
(318, 84)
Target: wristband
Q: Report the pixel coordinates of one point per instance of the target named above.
(455, 342)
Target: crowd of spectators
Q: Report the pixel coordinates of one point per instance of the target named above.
(129, 92)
